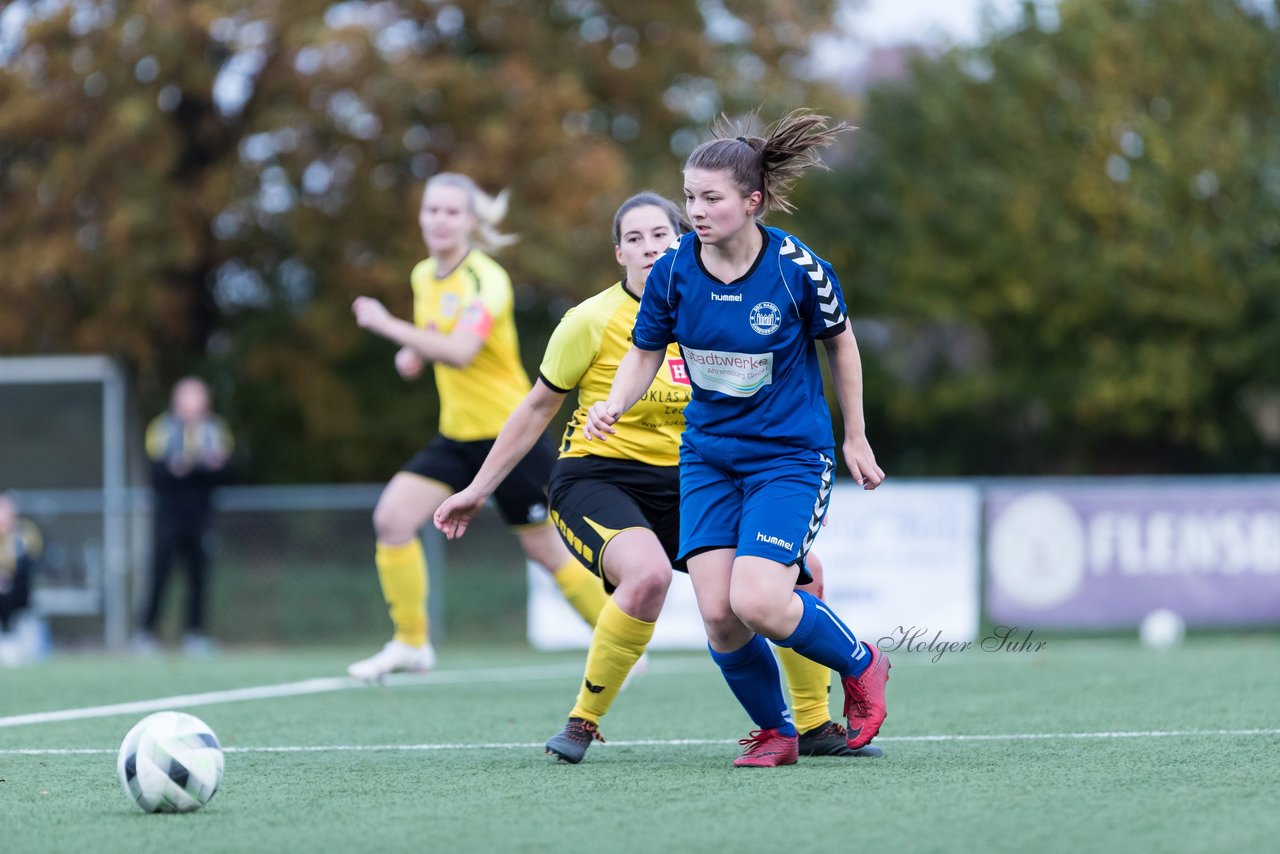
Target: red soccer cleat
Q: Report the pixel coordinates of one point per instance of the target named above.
(768, 748)
(864, 704)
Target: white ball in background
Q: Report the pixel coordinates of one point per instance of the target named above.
(1162, 629)
(170, 762)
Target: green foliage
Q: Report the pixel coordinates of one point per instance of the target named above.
(1069, 239)
(205, 186)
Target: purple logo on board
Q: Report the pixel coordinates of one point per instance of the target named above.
(1104, 557)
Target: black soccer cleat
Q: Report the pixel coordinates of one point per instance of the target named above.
(831, 739)
(570, 744)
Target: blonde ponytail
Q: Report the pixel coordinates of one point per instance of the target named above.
(488, 210)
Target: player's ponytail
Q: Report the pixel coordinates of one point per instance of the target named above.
(488, 210)
(769, 164)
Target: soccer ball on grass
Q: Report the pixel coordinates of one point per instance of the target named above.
(170, 762)
(1162, 629)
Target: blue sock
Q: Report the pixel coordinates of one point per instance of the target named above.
(822, 637)
(753, 676)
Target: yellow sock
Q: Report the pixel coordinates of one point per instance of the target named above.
(810, 684)
(584, 591)
(619, 639)
(403, 573)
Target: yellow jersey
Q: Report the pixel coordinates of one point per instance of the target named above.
(23, 541)
(584, 352)
(170, 439)
(476, 400)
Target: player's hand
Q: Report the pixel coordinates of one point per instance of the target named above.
(455, 514)
(600, 420)
(213, 460)
(862, 462)
(370, 313)
(408, 363)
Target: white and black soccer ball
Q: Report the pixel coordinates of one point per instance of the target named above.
(170, 762)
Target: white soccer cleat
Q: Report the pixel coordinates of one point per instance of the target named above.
(637, 669)
(10, 651)
(395, 657)
(198, 645)
(145, 644)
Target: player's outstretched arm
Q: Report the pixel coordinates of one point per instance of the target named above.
(846, 376)
(457, 349)
(521, 432)
(634, 375)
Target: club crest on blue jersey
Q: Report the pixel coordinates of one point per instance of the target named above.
(765, 318)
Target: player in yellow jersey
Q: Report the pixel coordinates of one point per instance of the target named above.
(21, 547)
(617, 503)
(463, 324)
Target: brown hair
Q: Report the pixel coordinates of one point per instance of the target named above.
(768, 164)
(644, 199)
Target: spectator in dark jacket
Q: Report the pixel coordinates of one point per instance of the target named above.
(189, 447)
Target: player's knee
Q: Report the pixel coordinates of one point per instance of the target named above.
(722, 625)
(642, 583)
(543, 546)
(756, 610)
(390, 525)
(653, 581)
(814, 589)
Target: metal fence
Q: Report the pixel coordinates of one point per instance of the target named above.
(294, 565)
(290, 565)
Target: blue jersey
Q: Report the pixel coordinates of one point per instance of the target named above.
(748, 344)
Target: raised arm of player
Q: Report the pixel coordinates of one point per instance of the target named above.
(518, 435)
(846, 376)
(634, 376)
(456, 349)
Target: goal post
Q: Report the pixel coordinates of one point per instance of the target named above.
(64, 454)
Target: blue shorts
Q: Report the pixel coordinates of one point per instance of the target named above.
(754, 497)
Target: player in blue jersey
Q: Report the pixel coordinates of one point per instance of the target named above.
(616, 504)
(746, 303)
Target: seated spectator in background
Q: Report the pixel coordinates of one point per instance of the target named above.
(189, 447)
(20, 548)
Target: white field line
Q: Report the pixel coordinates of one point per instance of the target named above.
(327, 685)
(489, 675)
(669, 742)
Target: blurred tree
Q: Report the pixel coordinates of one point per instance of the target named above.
(206, 185)
(1068, 243)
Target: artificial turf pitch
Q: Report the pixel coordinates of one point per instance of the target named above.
(1095, 745)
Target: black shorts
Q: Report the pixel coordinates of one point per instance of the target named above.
(521, 497)
(595, 498)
